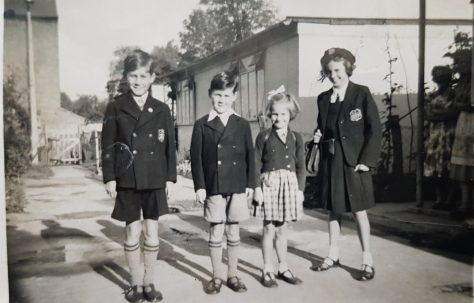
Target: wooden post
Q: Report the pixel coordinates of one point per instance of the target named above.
(97, 155)
(32, 85)
(421, 102)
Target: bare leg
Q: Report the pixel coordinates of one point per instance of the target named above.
(267, 246)
(363, 229)
(334, 233)
(281, 245)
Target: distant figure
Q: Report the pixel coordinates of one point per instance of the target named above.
(139, 163)
(350, 133)
(280, 174)
(441, 116)
(223, 169)
(462, 156)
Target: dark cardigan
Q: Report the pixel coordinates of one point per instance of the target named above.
(273, 154)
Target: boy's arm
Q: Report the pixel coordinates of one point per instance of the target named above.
(197, 170)
(250, 158)
(171, 149)
(108, 138)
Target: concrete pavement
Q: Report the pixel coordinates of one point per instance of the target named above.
(66, 248)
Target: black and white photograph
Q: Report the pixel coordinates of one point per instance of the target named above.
(237, 151)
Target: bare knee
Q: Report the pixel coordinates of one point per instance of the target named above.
(132, 232)
(280, 231)
(233, 232)
(150, 232)
(361, 216)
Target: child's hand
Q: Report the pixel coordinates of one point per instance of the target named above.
(169, 186)
(361, 168)
(201, 195)
(258, 196)
(317, 136)
(300, 196)
(249, 193)
(110, 188)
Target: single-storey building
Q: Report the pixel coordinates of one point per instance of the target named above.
(288, 53)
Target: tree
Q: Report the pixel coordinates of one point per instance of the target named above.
(16, 131)
(89, 107)
(220, 23)
(66, 102)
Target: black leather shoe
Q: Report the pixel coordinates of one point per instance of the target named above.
(289, 277)
(268, 280)
(236, 284)
(214, 286)
(132, 295)
(151, 294)
(327, 264)
(366, 275)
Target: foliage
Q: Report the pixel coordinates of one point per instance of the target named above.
(90, 107)
(16, 130)
(387, 156)
(220, 23)
(16, 144)
(66, 102)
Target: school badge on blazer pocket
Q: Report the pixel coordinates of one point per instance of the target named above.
(161, 135)
(355, 114)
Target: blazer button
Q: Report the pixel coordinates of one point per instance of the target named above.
(234, 146)
(219, 162)
(150, 135)
(135, 152)
(151, 153)
(235, 163)
(219, 146)
(288, 166)
(344, 137)
(286, 156)
(134, 134)
(342, 122)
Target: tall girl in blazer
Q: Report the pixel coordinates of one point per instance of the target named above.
(350, 133)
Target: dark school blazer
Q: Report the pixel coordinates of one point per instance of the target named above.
(138, 147)
(222, 162)
(358, 124)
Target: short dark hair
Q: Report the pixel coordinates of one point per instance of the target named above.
(338, 54)
(441, 74)
(224, 80)
(136, 60)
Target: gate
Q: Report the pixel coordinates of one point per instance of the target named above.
(64, 149)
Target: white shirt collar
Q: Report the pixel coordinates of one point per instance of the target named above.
(140, 100)
(341, 91)
(224, 116)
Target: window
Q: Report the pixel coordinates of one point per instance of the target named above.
(185, 102)
(250, 102)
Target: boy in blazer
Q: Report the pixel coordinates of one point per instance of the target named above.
(138, 163)
(222, 165)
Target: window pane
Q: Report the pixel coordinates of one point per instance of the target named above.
(244, 95)
(261, 91)
(253, 95)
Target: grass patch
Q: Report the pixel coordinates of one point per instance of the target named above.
(39, 172)
(14, 196)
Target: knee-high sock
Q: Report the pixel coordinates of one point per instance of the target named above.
(132, 255)
(150, 254)
(233, 256)
(215, 251)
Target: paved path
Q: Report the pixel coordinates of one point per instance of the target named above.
(66, 248)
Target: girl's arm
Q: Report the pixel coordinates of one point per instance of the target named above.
(370, 153)
(300, 162)
(259, 145)
(250, 158)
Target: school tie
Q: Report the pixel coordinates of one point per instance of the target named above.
(140, 102)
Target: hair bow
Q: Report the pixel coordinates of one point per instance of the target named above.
(280, 90)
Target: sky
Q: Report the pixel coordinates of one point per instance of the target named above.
(90, 30)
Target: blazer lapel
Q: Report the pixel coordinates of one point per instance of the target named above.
(232, 126)
(148, 113)
(129, 106)
(214, 128)
(348, 99)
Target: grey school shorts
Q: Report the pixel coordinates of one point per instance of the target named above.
(232, 208)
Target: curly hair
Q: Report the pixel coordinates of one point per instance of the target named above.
(338, 54)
